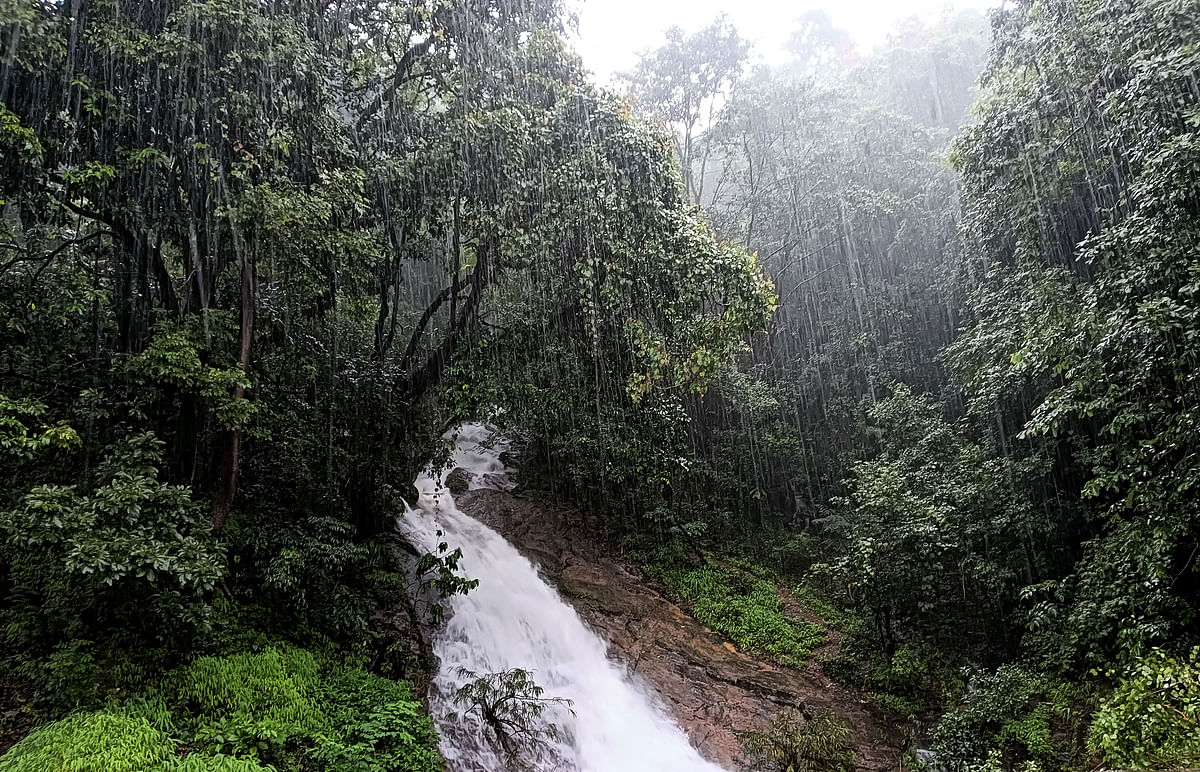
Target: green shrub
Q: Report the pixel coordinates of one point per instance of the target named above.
(90, 741)
(1152, 718)
(236, 713)
(796, 744)
(744, 608)
(1013, 714)
(198, 762)
(306, 575)
(377, 725)
(250, 704)
(111, 741)
(833, 616)
(65, 679)
(108, 741)
(912, 679)
(124, 560)
(285, 706)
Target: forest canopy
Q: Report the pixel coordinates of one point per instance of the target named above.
(911, 330)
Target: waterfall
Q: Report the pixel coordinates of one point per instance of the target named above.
(514, 619)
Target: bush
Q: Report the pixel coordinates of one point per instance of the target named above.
(285, 706)
(91, 741)
(796, 744)
(67, 678)
(1013, 715)
(125, 552)
(249, 704)
(111, 741)
(378, 725)
(116, 566)
(745, 609)
(912, 679)
(282, 706)
(306, 574)
(1152, 718)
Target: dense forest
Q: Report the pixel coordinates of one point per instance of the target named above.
(914, 331)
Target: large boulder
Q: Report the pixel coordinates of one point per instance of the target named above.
(459, 481)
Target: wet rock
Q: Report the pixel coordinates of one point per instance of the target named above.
(401, 647)
(714, 691)
(459, 481)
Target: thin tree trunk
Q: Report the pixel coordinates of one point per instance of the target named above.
(457, 261)
(228, 466)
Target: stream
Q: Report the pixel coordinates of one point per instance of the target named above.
(514, 619)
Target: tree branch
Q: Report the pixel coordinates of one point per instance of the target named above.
(47, 258)
(431, 371)
(402, 75)
(415, 339)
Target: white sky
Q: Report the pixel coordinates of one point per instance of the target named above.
(613, 32)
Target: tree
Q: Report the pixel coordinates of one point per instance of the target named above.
(935, 539)
(817, 45)
(264, 235)
(1081, 203)
(685, 84)
(510, 704)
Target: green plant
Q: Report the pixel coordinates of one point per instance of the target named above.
(294, 709)
(1152, 718)
(510, 704)
(796, 743)
(91, 741)
(249, 704)
(746, 609)
(173, 359)
(126, 539)
(200, 762)
(122, 562)
(438, 579)
(303, 574)
(19, 441)
(913, 679)
(118, 740)
(378, 724)
(1012, 713)
(66, 678)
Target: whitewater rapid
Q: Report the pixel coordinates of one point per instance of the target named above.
(514, 619)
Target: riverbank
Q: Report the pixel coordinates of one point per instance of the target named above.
(713, 690)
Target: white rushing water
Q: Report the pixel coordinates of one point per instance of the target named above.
(514, 619)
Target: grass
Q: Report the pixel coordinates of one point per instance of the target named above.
(744, 608)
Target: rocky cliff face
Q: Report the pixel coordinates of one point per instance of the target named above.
(713, 690)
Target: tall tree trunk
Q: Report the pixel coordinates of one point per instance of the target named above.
(227, 466)
(454, 286)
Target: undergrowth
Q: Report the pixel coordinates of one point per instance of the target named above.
(745, 608)
(282, 708)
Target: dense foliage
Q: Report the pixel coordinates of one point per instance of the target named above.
(745, 608)
(249, 252)
(914, 330)
(277, 709)
(972, 422)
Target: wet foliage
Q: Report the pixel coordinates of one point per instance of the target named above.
(511, 705)
(797, 743)
(914, 328)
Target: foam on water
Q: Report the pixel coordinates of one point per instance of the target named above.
(514, 619)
